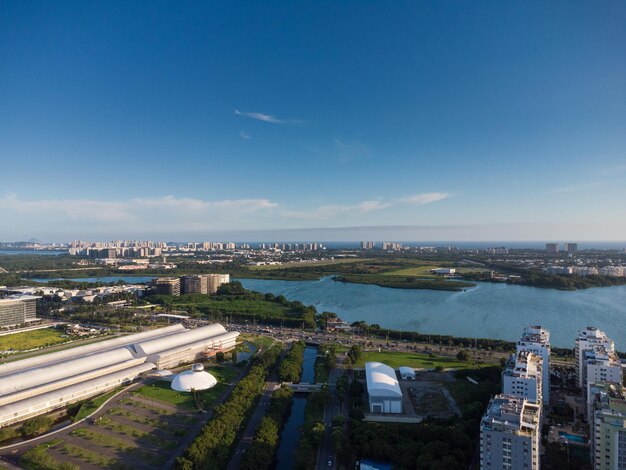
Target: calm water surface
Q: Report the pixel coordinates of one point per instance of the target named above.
(486, 311)
(290, 435)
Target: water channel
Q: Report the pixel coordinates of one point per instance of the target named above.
(290, 435)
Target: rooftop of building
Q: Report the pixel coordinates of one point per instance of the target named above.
(524, 364)
(535, 334)
(511, 414)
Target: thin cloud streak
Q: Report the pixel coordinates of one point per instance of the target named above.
(424, 198)
(576, 188)
(244, 136)
(266, 118)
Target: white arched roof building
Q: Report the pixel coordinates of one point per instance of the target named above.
(34, 386)
(383, 388)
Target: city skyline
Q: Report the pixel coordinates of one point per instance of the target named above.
(317, 121)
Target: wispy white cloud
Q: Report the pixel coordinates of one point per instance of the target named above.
(330, 211)
(576, 188)
(23, 218)
(266, 117)
(244, 135)
(613, 170)
(350, 150)
(145, 214)
(424, 198)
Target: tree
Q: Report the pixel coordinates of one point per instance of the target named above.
(463, 355)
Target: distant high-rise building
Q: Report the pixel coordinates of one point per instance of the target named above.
(18, 310)
(509, 434)
(607, 421)
(367, 245)
(195, 284)
(593, 346)
(522, 377)
(216, 280)
(167, 285)
(552, 247)
(497, 250)
(536, 340)
(571, 247)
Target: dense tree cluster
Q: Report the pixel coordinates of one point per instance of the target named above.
(431, 445)
(312, 431)
(234, 302)
(290, 367)
(443, 340)
(260, 454)
(213, 445)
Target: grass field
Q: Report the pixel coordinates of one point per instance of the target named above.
(424, 271)
(419, 361)
(163, 392)
(32, 339)
(92, 405)
(261, 342)
(312, 264)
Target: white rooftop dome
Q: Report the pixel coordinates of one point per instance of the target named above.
(194, 379)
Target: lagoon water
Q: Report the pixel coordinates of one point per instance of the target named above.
(486, 311)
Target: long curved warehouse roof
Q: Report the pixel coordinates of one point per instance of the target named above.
(227, 337)
(43, 360)
(381, 380)
(71, 393)
(172, 341)
(32, 377)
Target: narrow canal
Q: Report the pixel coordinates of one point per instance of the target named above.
(290, 436)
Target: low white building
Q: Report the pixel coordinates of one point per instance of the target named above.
(406, 373)
(383, 389)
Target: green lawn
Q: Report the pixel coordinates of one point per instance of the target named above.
(261, 342)
(396, 359)
(92, 405)
(424, 271)
(417, 271)
(311, 264)
(32, 339)
(162, 390)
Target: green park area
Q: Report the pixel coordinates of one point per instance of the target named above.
(32, 339)
(162, 391)
(396, 359)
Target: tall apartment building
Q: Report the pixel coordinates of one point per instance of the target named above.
(600, 365)
(509, 434)
(195, 284)
(571, 247)
(536, 340)
(552, 247)
(216, 280)
(608, 427)
(167, 285)
(522, 377)
(367, 245)
(18, 310)
(587, 340)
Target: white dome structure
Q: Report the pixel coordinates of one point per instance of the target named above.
(194, 379)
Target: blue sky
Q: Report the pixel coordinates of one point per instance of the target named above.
(416, 120)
